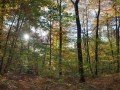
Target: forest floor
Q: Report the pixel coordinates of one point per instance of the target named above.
(27, 82)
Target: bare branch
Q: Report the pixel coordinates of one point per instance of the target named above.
(73, 2)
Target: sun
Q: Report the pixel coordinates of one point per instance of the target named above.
(26, 36)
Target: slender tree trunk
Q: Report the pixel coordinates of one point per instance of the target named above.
(96, 42)
(50, 42)
(6, 43)
(79, 42)
(13, 44)
(1, 30)
(2, 13)
(84, 33)
(87, 45)
(44, 57)
(110, 43)
(60, 38)
(20, 61)
(117, 43)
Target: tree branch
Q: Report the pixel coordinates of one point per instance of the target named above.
(73, 2)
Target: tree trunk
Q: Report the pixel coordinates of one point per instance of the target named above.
(79, 42)
(117, 43)
(110, 42)
(6, 43)
(60, 39)
(97, 41)
(1, 30)
(87, 45)
(50, 42)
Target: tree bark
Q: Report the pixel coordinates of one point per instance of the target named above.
(50, 42)
(97, 41)
(79, 42)
(1, 30)
(117, 43)
(60, 38)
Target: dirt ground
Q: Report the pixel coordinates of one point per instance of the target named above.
(27, 82)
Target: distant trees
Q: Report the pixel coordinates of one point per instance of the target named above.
(12, 31)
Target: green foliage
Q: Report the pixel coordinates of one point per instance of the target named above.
(117, 2)
(32, 18)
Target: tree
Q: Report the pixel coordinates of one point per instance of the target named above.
(79, 48)
(97, 39)
(117, 38)
(2, 13)
(60, 37)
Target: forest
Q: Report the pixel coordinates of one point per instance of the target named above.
(59, 44)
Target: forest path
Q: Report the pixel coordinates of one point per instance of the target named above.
(27, 82)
